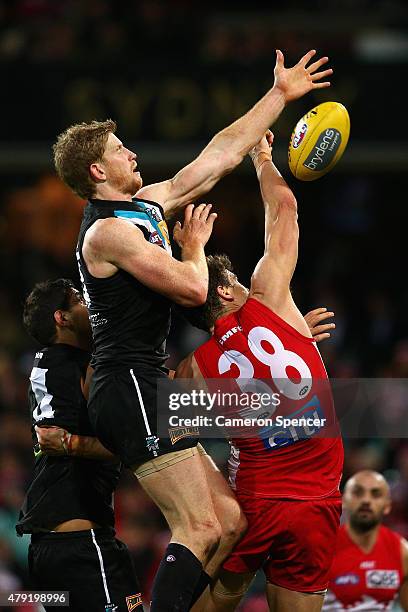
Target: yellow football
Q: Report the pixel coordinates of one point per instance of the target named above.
(318, 141)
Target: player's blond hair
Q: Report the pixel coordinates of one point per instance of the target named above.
(76, 149)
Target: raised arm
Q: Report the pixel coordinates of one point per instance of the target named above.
(227, 149)
(274, 271)
(271, 279)
(115, 243)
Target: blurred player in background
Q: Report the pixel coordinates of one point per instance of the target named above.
(68, 507)
(287, 482)
(129, 278)
(370, 567)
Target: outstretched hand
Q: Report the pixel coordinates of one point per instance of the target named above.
(300, 79)
(197, 227)
(314, 320)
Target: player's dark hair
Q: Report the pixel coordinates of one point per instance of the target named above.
(40, 305)
(76, 149)
(205, 316)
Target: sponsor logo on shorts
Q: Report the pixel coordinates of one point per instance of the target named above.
(177, 433)
(152, 443)
(382, 579)
(324, 150)
(133, 601)
(347, 579)
(299, 135)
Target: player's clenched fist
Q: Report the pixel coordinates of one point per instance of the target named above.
(53, 440)
(197, 226)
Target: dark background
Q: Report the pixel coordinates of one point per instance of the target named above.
(172, 74)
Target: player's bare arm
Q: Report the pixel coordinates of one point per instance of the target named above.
(57, 441)
(270, 282)
(188, 368)
(115, 243)
(85, 384)
(228, 148)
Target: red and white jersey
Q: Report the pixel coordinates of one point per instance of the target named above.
(365, 581)
(275, 462)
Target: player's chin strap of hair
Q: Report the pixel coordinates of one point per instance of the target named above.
(66, 442)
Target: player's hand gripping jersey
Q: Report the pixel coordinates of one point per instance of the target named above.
(298, 462)
(365, 581)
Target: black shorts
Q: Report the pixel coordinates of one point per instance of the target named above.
(123, 411)
(93, 566)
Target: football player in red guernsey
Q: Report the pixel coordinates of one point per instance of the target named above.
(287, 481)
(370, 566)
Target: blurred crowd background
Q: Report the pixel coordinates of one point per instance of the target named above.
(172, 73)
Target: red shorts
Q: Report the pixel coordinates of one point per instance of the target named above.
(293, 541)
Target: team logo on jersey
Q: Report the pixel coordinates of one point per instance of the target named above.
(382, 579)
(153, 213)
(177, 433)
(347, 579)
(134, 601)
(155, 238)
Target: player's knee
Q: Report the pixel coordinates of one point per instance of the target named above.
(208, 532)
(234, 529)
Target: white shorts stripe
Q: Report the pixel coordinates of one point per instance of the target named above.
(105, 584)
(142, 408)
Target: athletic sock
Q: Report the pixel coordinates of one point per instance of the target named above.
(176, 580)
(203, 582)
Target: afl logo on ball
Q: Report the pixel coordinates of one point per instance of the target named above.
(299, 135)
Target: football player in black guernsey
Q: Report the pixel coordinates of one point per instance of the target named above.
(129, 279)
(68, 506)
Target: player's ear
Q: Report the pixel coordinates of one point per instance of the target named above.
(62, 318)
(97, 172)
(387, 508)
(225, 293)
